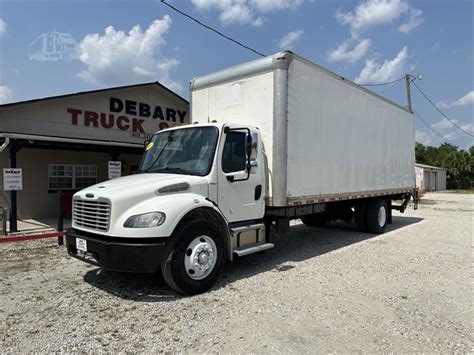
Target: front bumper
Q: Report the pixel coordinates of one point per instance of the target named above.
(118, 254)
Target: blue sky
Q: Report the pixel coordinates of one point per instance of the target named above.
(368, 41)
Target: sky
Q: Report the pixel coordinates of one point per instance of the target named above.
(113, 43)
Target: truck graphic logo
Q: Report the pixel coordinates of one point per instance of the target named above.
(53, 46)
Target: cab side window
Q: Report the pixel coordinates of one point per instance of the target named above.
(234, 157)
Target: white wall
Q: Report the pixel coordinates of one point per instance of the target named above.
(342, 139)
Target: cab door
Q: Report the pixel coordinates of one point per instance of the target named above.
(241, 175)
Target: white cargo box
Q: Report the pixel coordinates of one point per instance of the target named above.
(324, 136)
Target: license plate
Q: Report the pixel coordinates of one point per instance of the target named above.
(81, 244)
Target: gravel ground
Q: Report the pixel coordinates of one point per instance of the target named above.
(319, 290)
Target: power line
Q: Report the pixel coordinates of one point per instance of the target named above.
(441, 112)
(387, 83)
(212, 29)
(429, 127)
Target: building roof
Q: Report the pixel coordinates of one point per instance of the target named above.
(429, 166)
(94, 92)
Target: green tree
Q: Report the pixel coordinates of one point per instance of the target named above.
(420, 153)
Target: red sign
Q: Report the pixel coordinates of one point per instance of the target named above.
(126, 115)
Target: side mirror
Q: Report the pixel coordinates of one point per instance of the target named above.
(248, 151)
(146, 142)
(249, 146)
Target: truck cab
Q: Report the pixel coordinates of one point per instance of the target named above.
(199, 198)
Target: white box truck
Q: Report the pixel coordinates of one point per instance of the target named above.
(275, 139)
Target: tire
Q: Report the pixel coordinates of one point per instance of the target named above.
(315, 220)
(377, 216)
(360, 216)
(195, 258)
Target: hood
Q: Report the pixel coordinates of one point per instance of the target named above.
(135, 188)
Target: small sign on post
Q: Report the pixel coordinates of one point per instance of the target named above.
(115, 169)
(12, 179)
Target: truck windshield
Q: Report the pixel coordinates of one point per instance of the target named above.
(187, 151)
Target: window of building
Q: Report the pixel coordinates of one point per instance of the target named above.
(84, 175)
(71, 177)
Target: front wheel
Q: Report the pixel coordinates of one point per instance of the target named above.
(195, 259)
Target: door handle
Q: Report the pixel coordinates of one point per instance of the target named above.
(258, 192)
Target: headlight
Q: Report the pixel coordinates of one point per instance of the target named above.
(146, 220)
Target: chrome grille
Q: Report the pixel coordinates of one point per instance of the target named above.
(91, 214)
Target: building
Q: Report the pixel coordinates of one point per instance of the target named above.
(431, 178)
(65, 143)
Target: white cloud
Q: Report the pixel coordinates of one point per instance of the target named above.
(368, 14)
(5, 94)
(3, 26)
(415, 19)
(289, 39)
(466, 100)
(245, 11)
(238, 12)
(374, 72)
(344, 53)
(469, 127)
(273, 5)
(205, 4)
(423, 137)
(117, 58)
(442, 126)
(450, 132)
(258, 22)
(372, 13)
(447, 129)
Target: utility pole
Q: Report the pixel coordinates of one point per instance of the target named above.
(407, 81)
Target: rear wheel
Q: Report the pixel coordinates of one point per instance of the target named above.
(377, 216)
(195, 259)
(315, 220)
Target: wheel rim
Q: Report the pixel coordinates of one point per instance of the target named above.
(200, 257)
(382, 216)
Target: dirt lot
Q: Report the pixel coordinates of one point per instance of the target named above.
(331, 289)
